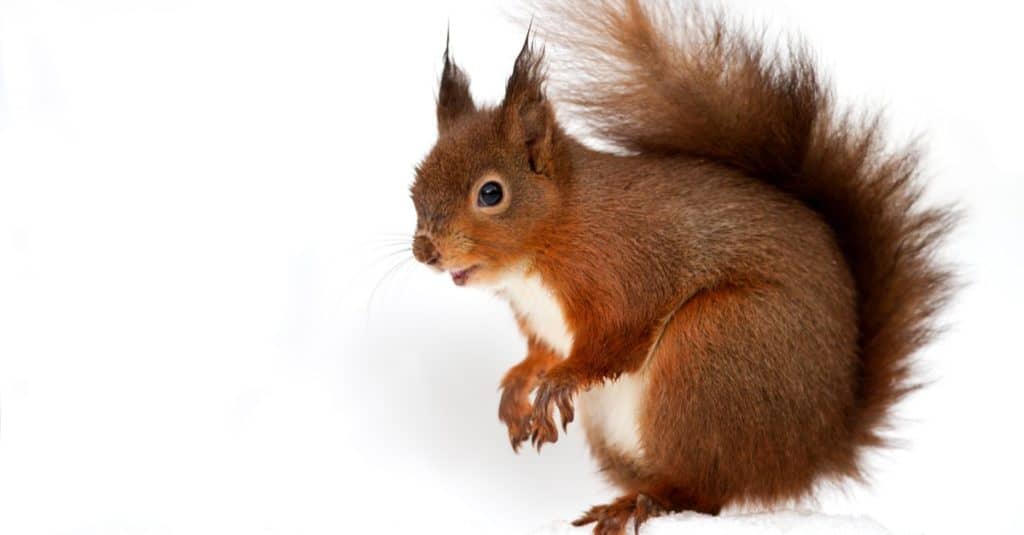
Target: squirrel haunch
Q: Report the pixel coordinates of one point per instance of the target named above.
(734, 303)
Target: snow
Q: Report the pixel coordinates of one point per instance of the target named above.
(775, 523)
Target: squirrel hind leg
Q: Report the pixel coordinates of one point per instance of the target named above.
(613, 518)
(744, 401)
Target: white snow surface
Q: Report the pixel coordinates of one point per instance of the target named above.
(775, 523)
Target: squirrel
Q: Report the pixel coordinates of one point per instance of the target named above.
(731, 298)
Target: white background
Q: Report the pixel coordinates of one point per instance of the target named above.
(193, 200)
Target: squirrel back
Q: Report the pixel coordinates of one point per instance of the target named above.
(686, 83)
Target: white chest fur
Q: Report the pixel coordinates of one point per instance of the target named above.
(539, 308)
(610, 409)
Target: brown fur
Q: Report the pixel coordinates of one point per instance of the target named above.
(758, 257)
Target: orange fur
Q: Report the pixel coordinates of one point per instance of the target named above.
(758, 261)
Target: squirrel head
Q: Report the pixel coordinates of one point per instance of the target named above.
(495, 178)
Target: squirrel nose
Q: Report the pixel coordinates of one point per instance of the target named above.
(424, 251)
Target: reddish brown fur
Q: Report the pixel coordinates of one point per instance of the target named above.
(759, 257)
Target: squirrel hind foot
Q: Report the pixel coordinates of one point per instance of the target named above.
(612, 518)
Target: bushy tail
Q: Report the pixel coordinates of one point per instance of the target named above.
(682, 81)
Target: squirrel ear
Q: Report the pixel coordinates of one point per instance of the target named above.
(527, 116)
(453, 98)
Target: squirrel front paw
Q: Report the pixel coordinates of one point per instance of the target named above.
(555, 388)
(515, 412)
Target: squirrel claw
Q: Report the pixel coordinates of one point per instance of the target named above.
(565, 408)
(551, 393)
(543, 432)
(518, 432)
(514, 411)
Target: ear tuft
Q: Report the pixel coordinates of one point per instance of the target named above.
(453, 98)
(527, 116)
(526, 85)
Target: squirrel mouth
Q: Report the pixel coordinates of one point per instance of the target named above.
(460, 276)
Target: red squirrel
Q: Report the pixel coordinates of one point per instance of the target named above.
(731, 300)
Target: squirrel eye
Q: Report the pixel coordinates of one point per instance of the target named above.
(490, 194)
